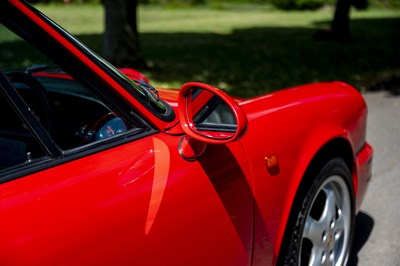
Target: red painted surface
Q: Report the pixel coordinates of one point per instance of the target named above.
(188, 108)
(131, 73)
(294, 124)
(79, 54)
(364, 164)
(134, 74)
(130, 205)
(141, 203)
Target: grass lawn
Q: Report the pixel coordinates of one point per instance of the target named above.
(249, 50)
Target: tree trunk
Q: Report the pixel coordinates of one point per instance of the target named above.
(341, 21)
(340, 27)
(121, 37)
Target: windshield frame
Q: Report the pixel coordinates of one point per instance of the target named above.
(41, 39)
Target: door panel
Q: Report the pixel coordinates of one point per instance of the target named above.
(137, 203)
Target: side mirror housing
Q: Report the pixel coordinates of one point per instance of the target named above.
(209, 115)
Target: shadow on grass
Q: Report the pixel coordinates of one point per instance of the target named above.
(363, 229)
(249, 62)
(252, 61)
(391, 85)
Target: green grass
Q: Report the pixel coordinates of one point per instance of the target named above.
(250, 50)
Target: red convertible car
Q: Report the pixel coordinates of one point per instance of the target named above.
(99, 168)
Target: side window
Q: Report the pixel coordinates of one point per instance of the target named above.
(71, 113)
(17, 144)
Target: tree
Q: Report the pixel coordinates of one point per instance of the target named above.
(121, 37)
(340, 27)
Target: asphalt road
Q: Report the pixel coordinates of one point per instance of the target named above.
(377, 237)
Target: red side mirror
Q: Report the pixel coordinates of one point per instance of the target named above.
(209, 115)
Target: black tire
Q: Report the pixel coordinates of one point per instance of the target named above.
(321, 226)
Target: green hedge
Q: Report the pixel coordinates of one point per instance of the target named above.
(200, 2)
(298, 4)
(281, 4)
(174, 2)
(385, 3)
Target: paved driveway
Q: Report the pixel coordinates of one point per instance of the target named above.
(377, 239)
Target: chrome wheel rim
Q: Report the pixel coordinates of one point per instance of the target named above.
(326, 233)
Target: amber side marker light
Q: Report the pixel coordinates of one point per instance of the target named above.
(272, 161)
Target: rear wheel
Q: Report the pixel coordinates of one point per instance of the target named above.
(324, 222)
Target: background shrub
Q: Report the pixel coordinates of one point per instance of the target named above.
(298, 4)
(281, 4)
(385, 3)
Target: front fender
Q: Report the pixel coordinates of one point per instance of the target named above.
(292, 126)
(312, 145)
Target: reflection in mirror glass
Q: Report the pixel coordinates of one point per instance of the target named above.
(211, 113)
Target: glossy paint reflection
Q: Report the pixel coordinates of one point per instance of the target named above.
(162, 165)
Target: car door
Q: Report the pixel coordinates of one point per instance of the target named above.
(127, 199)
(138, 202)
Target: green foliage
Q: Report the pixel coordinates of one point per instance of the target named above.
(246, 51)
(174, 3)
(201, 2)
(385, 3)
(298, 4)
(281, 4)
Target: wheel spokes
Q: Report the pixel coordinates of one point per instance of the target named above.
(339, 227)
(325, 233)
(313, 230)
(329, 214)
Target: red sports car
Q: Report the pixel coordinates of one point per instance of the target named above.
(99, 168)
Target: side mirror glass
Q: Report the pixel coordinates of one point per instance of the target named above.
(210, 115)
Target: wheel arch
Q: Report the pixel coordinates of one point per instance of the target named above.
(336, 147)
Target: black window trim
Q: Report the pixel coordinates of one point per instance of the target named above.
(69, 62)
(19, 171)
(129, 85)
(55, 155)
(21, 108)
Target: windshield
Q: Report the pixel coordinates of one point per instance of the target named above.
(38, 34)
(146, 92)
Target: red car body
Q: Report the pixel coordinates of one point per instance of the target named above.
(141, 202)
